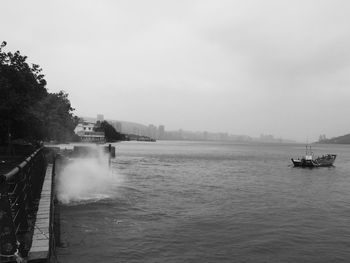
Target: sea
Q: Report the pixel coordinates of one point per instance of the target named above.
(183, 201)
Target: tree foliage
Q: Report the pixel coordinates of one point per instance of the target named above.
(27, 110)
(58, 121)
(111, 134)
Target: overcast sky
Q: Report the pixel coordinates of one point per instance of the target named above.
(242, 67)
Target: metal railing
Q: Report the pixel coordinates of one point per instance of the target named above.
(19, 196)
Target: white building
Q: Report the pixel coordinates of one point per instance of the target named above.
(85, 130)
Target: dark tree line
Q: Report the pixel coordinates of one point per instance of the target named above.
(111, 134)
(27, 110)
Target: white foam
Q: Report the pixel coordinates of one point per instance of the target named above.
(84, 179)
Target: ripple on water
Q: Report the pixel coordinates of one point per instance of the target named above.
(211, 202)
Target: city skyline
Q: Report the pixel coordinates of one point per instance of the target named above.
(159, 132)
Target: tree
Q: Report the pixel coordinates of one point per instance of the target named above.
(110, 133)
(21, 87)
(57, 118)
(27, 110)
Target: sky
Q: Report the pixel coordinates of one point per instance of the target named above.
(244, 67)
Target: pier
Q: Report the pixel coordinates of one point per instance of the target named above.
(29, 229)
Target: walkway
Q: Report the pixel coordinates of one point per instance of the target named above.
(40, 250)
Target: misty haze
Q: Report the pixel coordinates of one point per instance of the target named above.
(240, 67)
(174, 131)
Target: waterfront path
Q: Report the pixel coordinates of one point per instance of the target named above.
(40, 249)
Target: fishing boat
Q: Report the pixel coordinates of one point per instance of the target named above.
(310, 161)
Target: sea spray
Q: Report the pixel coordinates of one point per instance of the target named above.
(87, 179)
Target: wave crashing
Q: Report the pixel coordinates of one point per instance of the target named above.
(87, 179)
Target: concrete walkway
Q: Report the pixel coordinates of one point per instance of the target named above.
(40, 249)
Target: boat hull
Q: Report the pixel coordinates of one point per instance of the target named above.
(303, 163)
(324, 161)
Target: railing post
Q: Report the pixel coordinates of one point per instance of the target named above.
(21, 202)
(8, 240)
(19, 190)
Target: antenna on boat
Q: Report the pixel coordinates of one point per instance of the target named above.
(307, 144)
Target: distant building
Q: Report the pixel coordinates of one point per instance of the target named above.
(205, 135)
(85, 130)
(161, 132)
(84, 126)
(100, 118)
(152, 131)
(135, 131)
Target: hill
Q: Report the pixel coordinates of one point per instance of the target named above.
(344, 139)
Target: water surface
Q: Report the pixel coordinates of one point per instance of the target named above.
(212, 202)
